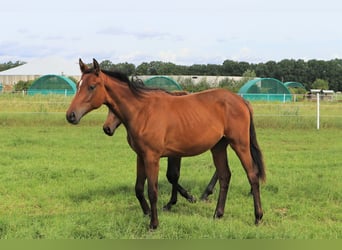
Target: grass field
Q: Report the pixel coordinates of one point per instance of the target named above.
(59, 181)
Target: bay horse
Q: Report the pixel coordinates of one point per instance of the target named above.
(173, 164)
(162, 125)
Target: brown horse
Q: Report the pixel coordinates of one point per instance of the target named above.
(173, 167)
(162, 125)
(173, 163)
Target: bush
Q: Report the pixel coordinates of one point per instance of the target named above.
(23, 85)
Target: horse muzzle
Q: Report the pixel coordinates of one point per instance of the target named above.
(72, 118)
(108, 131)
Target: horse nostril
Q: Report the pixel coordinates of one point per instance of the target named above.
(71, 117)
(107, 130)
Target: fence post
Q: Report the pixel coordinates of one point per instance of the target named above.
(318, 111)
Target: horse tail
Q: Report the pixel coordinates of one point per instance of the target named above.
(254, 147)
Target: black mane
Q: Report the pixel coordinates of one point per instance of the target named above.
(136, 85)
(118, 75)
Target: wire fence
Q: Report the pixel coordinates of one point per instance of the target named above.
(275, 114)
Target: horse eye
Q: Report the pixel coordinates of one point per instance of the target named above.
(92, 87)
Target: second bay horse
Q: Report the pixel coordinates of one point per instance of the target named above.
(162, 125)
(173, 167)
(173, 163)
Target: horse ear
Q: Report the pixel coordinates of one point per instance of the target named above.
(96, 66)
(83, 66)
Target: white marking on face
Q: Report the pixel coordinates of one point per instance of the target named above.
(79, 85)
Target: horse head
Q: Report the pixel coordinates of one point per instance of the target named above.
(111, 123)
(90, 95)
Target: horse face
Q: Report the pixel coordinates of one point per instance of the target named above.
(90, 93)
(111, 123)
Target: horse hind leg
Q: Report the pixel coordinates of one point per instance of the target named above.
(210, 187)
(219, 154)
(248, 164)
(172, 174)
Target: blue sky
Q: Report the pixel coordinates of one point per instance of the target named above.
(178, 31)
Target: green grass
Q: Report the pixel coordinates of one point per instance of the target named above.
(59, 181)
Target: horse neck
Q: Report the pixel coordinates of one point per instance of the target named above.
(122, 100)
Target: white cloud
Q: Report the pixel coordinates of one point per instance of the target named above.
(183, 32)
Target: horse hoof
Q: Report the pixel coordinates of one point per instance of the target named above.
(147, 214)
(192, 199)
(258, 221)
(205, 199)
(153, 227)
(218, 215)
(167, 207)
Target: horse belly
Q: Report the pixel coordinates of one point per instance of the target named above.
(186, 145)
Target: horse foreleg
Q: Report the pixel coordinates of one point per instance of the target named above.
(186, 194)
(151, 170)
(172, 174)
(220, 159)
(139, 186)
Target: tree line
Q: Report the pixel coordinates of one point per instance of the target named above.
(10, 64)
(305, 72)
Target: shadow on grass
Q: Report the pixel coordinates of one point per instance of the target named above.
(108, 192)
(122, 190)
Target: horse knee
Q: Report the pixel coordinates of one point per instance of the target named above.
(224, 179)
(152, 195)
(139, 192)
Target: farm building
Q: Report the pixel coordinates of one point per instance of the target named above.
(163, 82)
(294, 85)
(326, 95)
(52, 84)
(265, 89)
(40, 67)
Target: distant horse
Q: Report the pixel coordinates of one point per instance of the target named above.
(162, 125)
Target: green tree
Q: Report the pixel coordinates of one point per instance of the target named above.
(320, 84)
(198, 69)
(335, 74)
(22, 85)
(107, 65)
(142, 68)
(305, 72)
(317, 69)
(126, 68)
(10, 64)
(231, 68)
